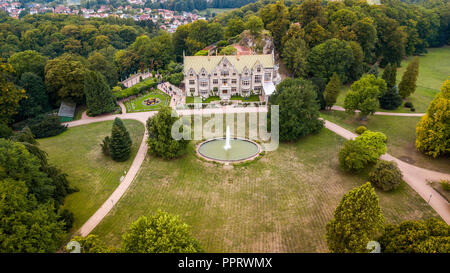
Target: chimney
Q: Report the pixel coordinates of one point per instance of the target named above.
(216, 51)
(237, 55)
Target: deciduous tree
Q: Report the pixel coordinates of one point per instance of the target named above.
(329, 57)
(298, 109)
(160, 140)
(159, 233)
(64, 78)
(37, 100)
(420, 236)
(364, 94)
(254, 24)
(295, 56)
(27, 226)
(28, 61)
(433, 130)
(10, 95)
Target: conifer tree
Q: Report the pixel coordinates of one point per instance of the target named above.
(357, 219)
(99, 98)
(332, 90)
(120, 144)
(390, 75)
(408, 84)
(390, 100)
(374, 70)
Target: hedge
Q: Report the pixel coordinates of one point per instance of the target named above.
(138, 88)
(44, 125)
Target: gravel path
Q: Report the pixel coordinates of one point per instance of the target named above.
(416, 177)
(339, 108)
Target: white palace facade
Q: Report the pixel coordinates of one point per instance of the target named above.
(230, 75)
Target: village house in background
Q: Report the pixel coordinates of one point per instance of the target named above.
(164, 19)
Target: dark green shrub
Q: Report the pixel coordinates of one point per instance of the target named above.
(45, 125)
(105, 145)
(412, 109)
(386, 175)
(222, 43)
(360, 130)
(5, 131)
(139, 88)
(390, 100)
(445, 184)
(66, 216)
(408, 104)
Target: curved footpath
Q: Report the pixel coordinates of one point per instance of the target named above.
(339, 108)
(416, 177)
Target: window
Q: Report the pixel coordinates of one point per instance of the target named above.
(191, 82)
(191, 74)
(215, 81)
(203, 74)
(233, 89)
(192, 90)
(257, 78)
(267, 76)
(233, 81)
(224, 81)
(215, 74)
(246, 82)
(224, 73)
(203, 84)
(258, 69)
(234, 73)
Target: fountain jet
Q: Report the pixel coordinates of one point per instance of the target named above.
(227, 139)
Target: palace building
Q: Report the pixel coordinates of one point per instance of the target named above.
(230, 75)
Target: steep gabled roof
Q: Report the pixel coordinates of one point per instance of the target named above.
(211, 62)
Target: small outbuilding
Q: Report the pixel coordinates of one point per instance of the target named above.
(67, 111)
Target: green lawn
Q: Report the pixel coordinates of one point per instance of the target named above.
(138, 105)
(243, 99)
(434, 69)
(78, 153)
(209, 99)
(214, 10)
(401, 133)
(280, 203)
